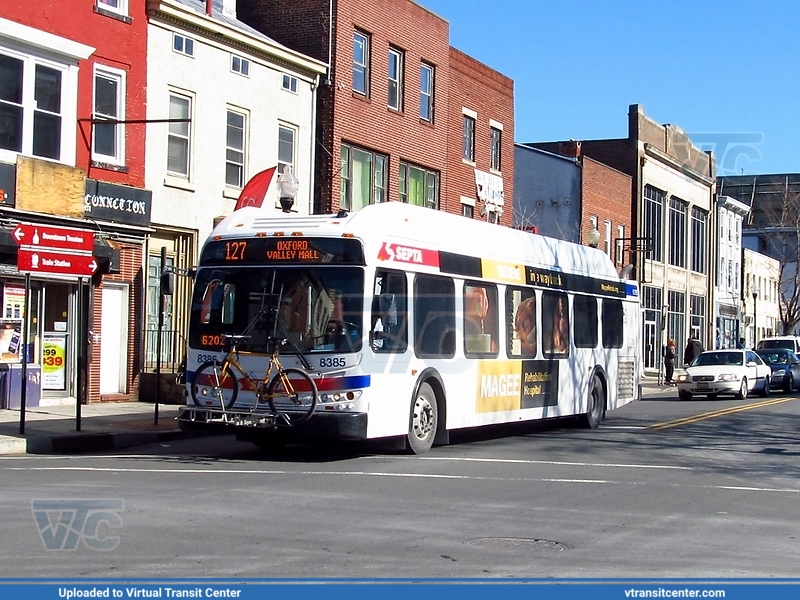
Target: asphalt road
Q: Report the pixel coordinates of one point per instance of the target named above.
(662, 489)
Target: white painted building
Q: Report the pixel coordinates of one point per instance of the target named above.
(677, 209)
(249, 104)
(761, 297)
(728, 289)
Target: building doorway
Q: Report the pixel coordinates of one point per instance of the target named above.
(53, 333)
(114, 339)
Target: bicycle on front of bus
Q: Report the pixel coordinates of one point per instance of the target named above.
(291, 393)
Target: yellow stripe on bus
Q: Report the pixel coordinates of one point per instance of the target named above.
(500, 271)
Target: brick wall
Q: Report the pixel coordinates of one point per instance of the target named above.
(130, 274)
(367, 122)
(490, 94)
(606, 194)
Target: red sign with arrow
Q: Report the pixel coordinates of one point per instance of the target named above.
(59, 238)
(44, 260)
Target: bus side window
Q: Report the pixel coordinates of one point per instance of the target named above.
(480, 319)
(521, 326)
(585, 325)
(389, 330)
(434, 317)
(555, 323)
(612, 323)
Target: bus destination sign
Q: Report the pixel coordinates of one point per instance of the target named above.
(283, 250)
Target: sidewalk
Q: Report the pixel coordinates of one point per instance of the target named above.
(104, 426)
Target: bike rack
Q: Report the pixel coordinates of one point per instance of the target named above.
(242, 417)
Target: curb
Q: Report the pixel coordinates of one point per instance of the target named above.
(88, 443)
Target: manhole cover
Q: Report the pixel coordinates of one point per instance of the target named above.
(503, 543)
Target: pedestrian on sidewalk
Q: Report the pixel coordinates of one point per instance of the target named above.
(693, 348)
(669, 361)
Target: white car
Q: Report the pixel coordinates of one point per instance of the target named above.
(715, 372)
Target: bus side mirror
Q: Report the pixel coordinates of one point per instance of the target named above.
(167, 283)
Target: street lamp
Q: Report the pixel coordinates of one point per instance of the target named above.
(287, 188)
(754, 292)
(593, 239)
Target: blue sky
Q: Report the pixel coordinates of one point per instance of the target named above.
(727, 73)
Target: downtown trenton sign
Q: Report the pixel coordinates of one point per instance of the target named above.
(47, 249)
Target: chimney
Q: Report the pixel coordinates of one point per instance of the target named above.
(229, 8)
(209, 7)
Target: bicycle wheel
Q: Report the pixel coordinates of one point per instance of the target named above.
(293, 391)
(214, 386)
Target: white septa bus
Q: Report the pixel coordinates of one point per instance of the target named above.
(416, 322)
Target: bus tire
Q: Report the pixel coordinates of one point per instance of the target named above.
(210, 387)
(423, 421)
(596, 405)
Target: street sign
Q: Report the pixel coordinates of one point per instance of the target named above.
(45, 260)
(48, 236)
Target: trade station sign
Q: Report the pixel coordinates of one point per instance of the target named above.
(42, 260)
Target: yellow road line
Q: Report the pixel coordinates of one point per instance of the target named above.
(716, 413)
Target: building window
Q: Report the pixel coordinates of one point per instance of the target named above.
(361, 63)
(620, 258)
(697, 316)
(676, 319)
(363, 178)
(109, 104)
(468, 145)
(182, 44)
(116, 6)
(234, 149)
(289, 83)
(653, 221)
(699, 240)
(31, 107)
(467, 211)
(240, 65)
(395, 79)
(179, 138)
(286, 137)
(496, 138)
(419, 186)
(678, 210)
(607, 248)
(426, 92)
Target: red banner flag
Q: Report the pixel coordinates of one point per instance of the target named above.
(253, 193)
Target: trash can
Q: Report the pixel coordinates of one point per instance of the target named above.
(11, 378)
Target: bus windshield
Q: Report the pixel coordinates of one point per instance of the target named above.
(318, 309)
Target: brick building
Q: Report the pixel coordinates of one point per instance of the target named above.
(72, 139)
(401, 115)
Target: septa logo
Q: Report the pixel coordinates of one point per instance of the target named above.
(408, 254)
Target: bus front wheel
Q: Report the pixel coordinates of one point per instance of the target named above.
(423, 421)
(596, 405)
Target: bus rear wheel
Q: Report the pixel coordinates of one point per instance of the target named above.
(596, 405)
(423, 421)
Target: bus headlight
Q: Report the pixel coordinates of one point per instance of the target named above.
(347, 396)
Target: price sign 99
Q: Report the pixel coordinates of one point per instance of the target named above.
(53, 357)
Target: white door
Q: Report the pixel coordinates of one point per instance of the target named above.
(114, 339)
